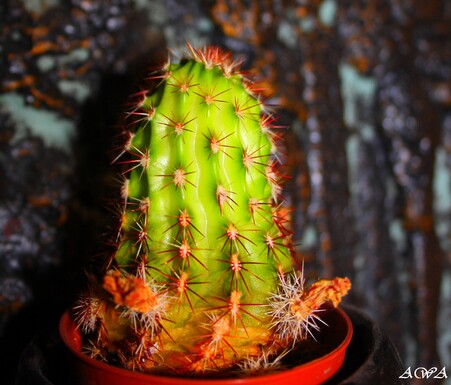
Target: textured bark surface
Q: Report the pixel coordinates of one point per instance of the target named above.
(364, 86)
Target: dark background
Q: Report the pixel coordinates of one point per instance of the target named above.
(365, 87)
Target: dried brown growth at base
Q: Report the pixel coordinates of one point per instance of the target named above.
(130, 291)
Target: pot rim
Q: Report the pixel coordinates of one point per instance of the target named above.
(67, 327)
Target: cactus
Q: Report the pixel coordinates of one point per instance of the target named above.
(203, 275)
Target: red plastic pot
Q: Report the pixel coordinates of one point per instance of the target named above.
(337, 337)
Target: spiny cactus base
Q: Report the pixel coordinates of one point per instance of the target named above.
(202, 277)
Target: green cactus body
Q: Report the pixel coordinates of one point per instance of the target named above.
(203, 243)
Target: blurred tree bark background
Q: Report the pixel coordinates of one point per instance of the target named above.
(365, 87)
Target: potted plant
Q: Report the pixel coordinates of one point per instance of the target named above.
(203, 281)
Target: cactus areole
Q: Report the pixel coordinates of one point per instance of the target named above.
(203, 276)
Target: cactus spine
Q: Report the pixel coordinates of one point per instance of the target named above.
(202, 274)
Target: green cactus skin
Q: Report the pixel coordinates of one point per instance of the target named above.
(204, 246)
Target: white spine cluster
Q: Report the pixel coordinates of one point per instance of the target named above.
(292, 317)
